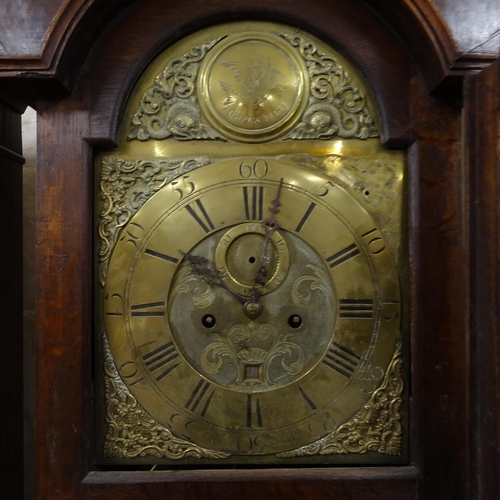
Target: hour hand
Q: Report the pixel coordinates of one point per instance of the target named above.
(207, 271)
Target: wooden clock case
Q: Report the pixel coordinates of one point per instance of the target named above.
(434, 98)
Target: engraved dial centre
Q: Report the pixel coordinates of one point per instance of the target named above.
(253, 347)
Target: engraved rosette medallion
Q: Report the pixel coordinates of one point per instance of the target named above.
(253, 87)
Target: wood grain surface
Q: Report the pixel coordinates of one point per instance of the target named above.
(405, 49)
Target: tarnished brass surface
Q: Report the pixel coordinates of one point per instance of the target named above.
(238, 256)
(250, 82)
(228, 338)
(316, 369)
(253, 86)
(125, 186)
(376, 427)
(134, 433)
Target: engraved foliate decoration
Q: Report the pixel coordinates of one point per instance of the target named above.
(253, 87)
(262, 354)
(132, 432)
(336, 108)
(170, 108)
(376, 427)
(126, 186)
(208, 369)
(252, 307)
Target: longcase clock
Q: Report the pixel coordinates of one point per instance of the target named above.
(266, 247)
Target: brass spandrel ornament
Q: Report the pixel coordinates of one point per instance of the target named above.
(250, 256)
(134, 433)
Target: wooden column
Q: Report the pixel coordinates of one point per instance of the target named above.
(482, 154)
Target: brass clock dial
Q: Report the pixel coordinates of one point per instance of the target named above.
(241, 338)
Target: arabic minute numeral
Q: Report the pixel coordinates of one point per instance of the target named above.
(258, 169)
(183, 187)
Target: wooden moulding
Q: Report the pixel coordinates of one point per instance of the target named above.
(419, 23)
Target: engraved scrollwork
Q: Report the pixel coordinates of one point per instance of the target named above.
(244, 344)
(335, 108)
(125, 187)
(301, 295)
(132, 432)
(376, 427)
(203, 294)
(170, 108)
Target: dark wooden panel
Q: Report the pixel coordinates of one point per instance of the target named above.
(454, 455)
(24, 25)
(11, 302)
(280, 484)
(439, 257)
(63, 303)
(482, 119)
(475, 29)
(43, 40)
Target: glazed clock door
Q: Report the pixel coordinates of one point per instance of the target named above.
(250, 286)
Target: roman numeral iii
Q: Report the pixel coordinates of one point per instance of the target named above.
(356, 308)
(343, 255)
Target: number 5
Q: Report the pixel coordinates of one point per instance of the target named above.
(323, 189)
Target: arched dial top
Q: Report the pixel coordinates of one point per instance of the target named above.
(187, 263)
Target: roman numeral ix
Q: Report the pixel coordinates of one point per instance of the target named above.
(162, 360)
(149, 309)
(162, 256)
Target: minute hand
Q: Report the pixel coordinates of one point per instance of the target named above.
(270, 225)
